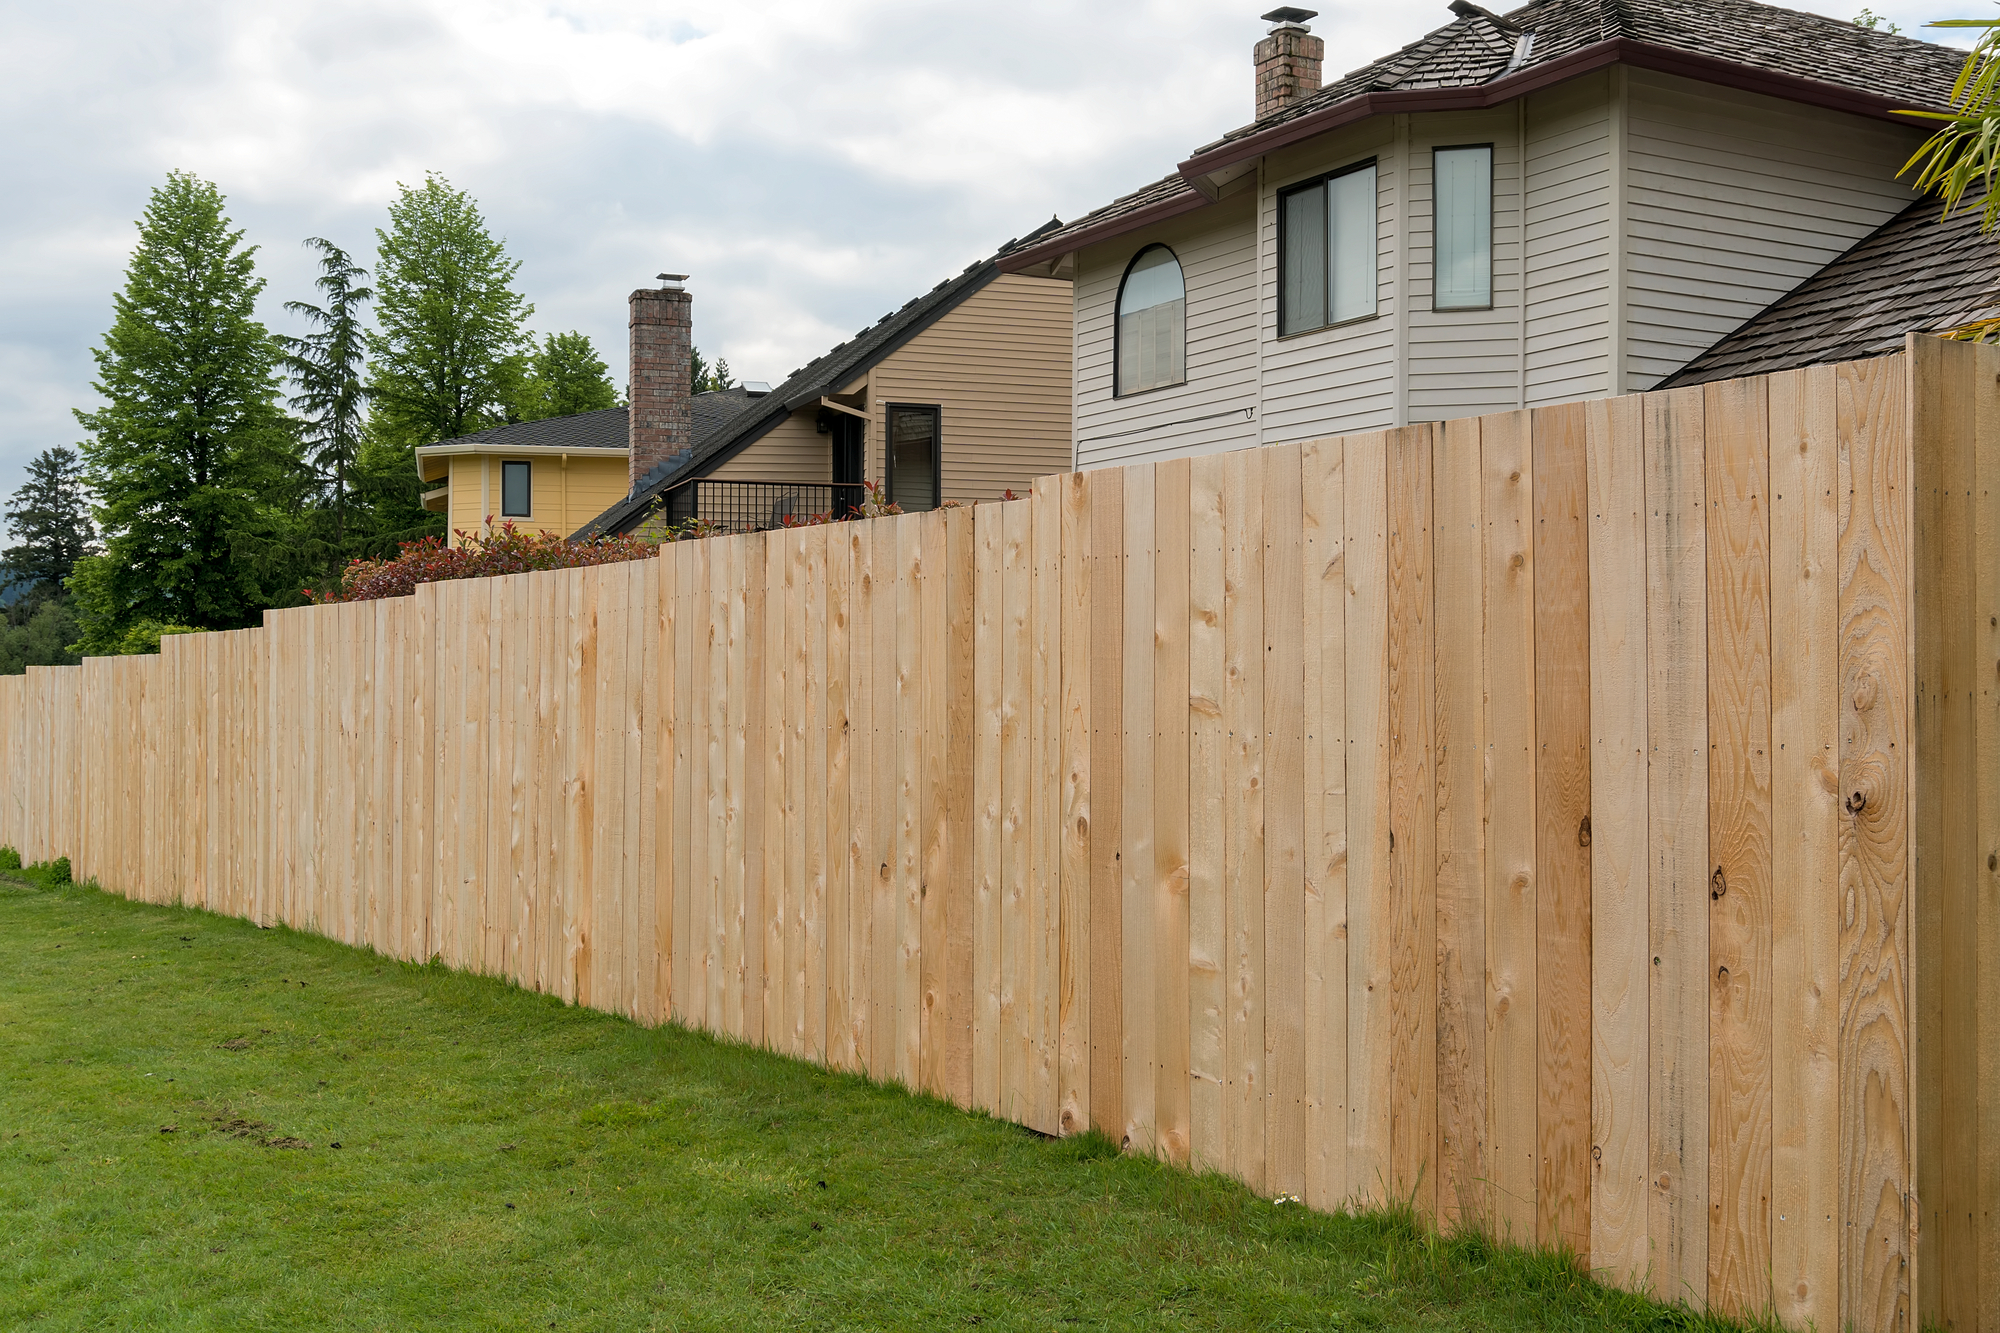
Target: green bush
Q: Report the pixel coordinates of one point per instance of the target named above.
(58, 872)
(9, 859)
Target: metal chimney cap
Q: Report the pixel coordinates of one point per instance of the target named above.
(1290, 17)
(671, 281)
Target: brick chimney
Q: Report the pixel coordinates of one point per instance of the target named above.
(1288, 61)
(661, 420)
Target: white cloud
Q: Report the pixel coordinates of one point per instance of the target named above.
(814, 163)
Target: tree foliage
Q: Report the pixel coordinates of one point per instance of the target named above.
(326, 371)
(1962, 157)
(191, 443)
(448, 351)
(49, 517)
(706, 378)
(564, 376)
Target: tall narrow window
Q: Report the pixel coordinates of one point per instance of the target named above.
(913, 457)
(1462, 186)
(1326, 250)
(1152, 323)
(515, 494)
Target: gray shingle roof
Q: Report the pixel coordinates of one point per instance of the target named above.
(823, 375)
(1478, 48)
(1472, 49)
(608, 428)
(1919, 272)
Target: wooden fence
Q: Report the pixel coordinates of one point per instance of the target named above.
(1582, 821)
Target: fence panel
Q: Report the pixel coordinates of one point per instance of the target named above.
(1584, 822)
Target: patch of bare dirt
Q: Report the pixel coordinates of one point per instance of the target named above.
(256, 1131)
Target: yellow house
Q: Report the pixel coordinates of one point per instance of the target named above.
(542, 476)
(963, 394)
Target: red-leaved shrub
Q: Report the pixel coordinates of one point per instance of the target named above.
(506, 550)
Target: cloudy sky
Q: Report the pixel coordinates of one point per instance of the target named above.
(813, 163)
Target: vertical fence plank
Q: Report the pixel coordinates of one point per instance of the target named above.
(1459, 743)
(1874, 844)
(1284, 823)
(1168, 916)
(1323, 559)
(1074, 1064)
(959, 611)
(1677, 840)
(1620, 921)
(1208, 1000)
(1412, 692)
(911, 635)
(1045, 769)
(1244, 979)
(885, 974)
(1562, 839)
(1985, 386)
(989, 619)
(797, 632)
(1140, 1125)
(1106, 490)
(812, 791)
(766, 770)
(861, 783)
(934, 1043)
(1739, 802)
(668, 730)
(1805, 825)
(839, 801)
(1368, 912)
(1507, 564)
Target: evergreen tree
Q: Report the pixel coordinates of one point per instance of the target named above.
(704, 378)
(450, 346)
(325, 366)
(564, 376)
(191, 441)
(50, 519)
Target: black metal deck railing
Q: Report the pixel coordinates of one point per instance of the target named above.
(754, 506)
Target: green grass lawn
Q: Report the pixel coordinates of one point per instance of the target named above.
(208, 1126)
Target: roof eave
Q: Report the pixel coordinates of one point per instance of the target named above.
(1598, 55)
(1020, 261)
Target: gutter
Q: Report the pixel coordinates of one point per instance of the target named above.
(1599, 55)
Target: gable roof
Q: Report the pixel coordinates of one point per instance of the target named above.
(604, 429)
(825, 374)
(1482, 59)
(1919, 271)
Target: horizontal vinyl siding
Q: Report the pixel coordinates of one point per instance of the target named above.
(564, 496)
(1569, 241)
(1733, 199)
(1465, 362)
(1343, 378)
(794, 450)
(998, 368)
(1217, 251)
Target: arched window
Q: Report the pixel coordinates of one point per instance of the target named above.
(1152, 322)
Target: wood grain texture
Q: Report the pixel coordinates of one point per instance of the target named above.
(1459, 747)
(1244, 979)
(1875, 873)
(1106, 488)
(1140, 1128)
(840, 781)
(1985, 388)
(989, 602)
(961, 721)
(1620, 922)
(1805, 831)
(1045, 696)
(1074, 1053)
(1368, 902)
(1284, 822)
(934, 735)
(885, 917)
(1562, 826)
(1677, 840)
(1507, 477)
(1412, 691)
(1207, 794)
(1323, 589)
(1169, 912)
(911, 636)
(1739, 839)
(1017, 870)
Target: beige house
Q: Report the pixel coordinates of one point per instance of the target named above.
(1567, 201)
(539, 476)
(960, 395)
